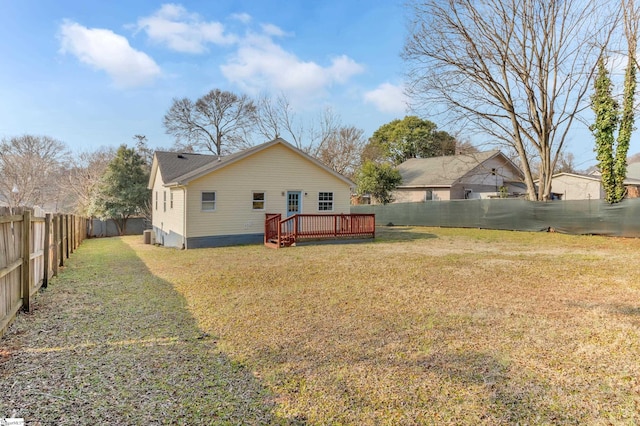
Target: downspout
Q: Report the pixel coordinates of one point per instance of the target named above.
(184, 218)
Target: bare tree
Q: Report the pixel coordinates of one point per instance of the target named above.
(218, 122)
(30, 167)
(85, 175)
(277, 119)
(343, 150)
(516, 70)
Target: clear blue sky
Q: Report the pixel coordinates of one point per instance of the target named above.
(94, 73)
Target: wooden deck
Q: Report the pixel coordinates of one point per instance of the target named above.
(286, 232)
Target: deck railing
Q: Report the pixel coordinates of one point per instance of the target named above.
(271, 228)
(317, 226)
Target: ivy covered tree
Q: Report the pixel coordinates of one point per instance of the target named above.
(411, 137)
(378, 180)
(611, 153)
(122, 192)
(605, 108)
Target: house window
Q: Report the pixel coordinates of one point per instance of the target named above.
(156, 200)
(208, 201)
(258, 200)
(164, 201)
(325, 201)
(428, 195)
(171, 200)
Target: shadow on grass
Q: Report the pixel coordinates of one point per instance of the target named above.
(401, 234)
(626, 309)
(109, 343)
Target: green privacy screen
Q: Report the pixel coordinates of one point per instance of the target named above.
(571, 217)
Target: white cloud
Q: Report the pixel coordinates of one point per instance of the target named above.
(256, 63)
(262, 65)
(104, 50)
(388, 98)
(273, 30)
(173, 26)
(245, 18)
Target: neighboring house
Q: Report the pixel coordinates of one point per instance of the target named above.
(479, 175)
(574, 186)
(633, 171)
(209, 201)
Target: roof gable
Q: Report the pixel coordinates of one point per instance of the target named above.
(446, 170)
(174, 164)
(181, 171)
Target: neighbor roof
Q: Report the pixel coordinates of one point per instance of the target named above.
(595, 178)
(633, 171)
(183, 168)
(443, 171)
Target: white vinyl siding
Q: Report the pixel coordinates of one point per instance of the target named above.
(171, 220)
(275, 170)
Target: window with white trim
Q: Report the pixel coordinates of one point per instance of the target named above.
(156, 200)
(171, 199)
(164, 201)
(325, 201)
(258, 200)
(208, 201)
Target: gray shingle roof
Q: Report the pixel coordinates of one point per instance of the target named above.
(440, 171)
(174, 164)
(633, 171)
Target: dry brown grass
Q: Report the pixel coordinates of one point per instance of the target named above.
(420, 326)
(427, 326)
(111, 344)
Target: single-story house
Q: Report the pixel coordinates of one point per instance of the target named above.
(207, 201)
(633, 171)
(574, 186)
(487, 174)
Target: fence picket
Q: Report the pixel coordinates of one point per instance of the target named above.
(31, 250)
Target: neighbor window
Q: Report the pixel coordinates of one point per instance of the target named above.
(171, 200)
(156, 200)
(428, 195)
(325, 201)
(258, 200)
(208, 201)
(164, 201)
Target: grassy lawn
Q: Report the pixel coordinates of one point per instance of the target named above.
(420, 326)
(427, 326)
(109, 343)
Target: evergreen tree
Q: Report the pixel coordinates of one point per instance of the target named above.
(123, 192)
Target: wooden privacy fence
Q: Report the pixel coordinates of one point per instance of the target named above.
(32, 249)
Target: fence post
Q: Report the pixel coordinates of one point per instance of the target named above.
(62, 234)
(72, 227)
(56, 244)
(66, 236)
(47, 249)
(26, 260)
